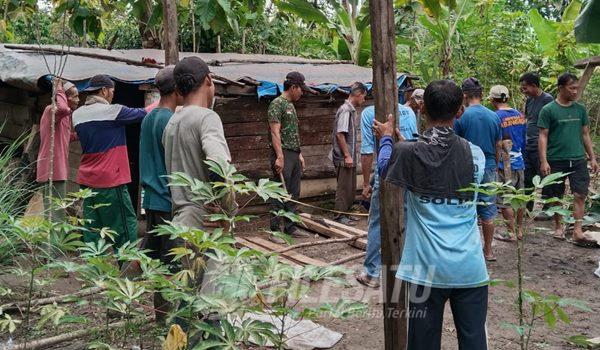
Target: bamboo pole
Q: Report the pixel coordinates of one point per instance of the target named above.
(54, 299)
(51, 341)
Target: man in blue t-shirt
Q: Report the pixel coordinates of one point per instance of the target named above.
(442, 258)
(407, 129)
(481, 127)
(514, 128)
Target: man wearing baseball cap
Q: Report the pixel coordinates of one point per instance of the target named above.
(481, 127)
(514, 128)
(286, 160)
(104, 166)
(67, 100)
(193, 135)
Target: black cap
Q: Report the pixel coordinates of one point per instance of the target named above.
(193, 69)
(471, 84)
(165, 80)
(100, 81)
(297, 78)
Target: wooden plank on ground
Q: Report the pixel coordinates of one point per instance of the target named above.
(292, 255)
(243, 242)
(333, 232)
(335, 224)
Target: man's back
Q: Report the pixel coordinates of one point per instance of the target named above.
(443, 246)
(152, 161)
(101, 130)
(194, 134)
(514, 127)
(481, 127)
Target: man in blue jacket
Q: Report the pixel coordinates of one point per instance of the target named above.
(442, 258)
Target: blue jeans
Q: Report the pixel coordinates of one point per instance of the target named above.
(487, 209)
(373, 257)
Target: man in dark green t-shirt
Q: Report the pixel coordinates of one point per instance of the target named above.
(286, 159)
(563, 143)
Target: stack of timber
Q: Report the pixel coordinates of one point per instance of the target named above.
(334, 232)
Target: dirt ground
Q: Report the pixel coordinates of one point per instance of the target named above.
(551, 267)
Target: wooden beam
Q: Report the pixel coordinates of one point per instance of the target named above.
(290, 255)
(332, 232)
(245, 243)
(385, 93)
(594, 61)
(585, 79)
(335, 224)
(170, 32)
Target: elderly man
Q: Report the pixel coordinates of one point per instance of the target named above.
(415, 102)
(104, 166)
(344, 152)
(67, 100)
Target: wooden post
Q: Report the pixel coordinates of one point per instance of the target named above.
(385, 92)
(170, 32)
(585, 78)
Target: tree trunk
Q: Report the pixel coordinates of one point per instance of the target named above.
(170, 32)
(149, 38)
(218, 43)
(385, 91)
(244, 41)
(192, 15)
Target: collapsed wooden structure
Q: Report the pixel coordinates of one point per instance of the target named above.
(245, 84)
(333, 231)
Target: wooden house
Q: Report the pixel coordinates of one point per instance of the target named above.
(245, 85)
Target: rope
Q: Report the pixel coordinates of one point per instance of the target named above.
(290, 199)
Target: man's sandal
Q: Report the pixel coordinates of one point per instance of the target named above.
(585, 243)
(504, 237)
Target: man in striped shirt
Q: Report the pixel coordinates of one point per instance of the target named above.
(104, 166)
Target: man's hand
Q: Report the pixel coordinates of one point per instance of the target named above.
(366, 191)
(545, 168)
(594, 165)
(348, 162)
(384, 129)
(279, 164)
(302, 163)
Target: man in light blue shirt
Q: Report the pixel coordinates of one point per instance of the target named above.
(408, 130)
(442, 258)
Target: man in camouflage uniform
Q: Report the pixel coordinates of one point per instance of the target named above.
(286, 158)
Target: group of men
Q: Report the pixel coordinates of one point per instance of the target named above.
(459, 144)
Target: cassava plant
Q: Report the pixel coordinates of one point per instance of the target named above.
(532, 306)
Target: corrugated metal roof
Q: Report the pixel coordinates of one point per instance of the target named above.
(21, 68)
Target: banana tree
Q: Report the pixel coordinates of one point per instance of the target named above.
(347, 21)
(556, 38)
(441, 20)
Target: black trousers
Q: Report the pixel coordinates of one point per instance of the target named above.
(159, 246)
(426, 316)
(292, 175)
(532, 168)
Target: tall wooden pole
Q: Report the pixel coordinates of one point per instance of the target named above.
(385, 93)
(170, 32)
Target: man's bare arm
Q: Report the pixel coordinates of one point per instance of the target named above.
(589, 147)
(542, 151)
(341, 139)
(276, 141)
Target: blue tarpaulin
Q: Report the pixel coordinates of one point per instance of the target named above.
(270, 89)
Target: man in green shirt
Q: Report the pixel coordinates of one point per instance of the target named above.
(563, 143)
(157, 197)
(286, 159)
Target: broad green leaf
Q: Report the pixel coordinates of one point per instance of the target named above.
(304, 10)
(546, 31)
